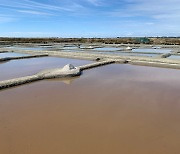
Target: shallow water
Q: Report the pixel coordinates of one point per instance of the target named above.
(70, 48)
(24, 67)
(152, 50)
(119, 53)
(27, 48)
(107, 49)
(113, 109)
(174, 57)
(12, 54)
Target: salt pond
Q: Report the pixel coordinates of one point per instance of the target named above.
(112, 109)
(24, 67)
(152, 50)
(12, 54)
(107, 49)
(120, 53)
(27, 48)
(174, 57)
(70, 48)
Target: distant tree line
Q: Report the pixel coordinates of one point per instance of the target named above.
(118, 40)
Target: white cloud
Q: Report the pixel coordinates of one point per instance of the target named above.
(157, 9)
(34, 12)
(133, 17)
(154, 8)
(32, 6)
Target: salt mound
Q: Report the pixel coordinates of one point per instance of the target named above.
(128, 48)
(68, 67)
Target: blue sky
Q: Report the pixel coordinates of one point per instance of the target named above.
(89, 18)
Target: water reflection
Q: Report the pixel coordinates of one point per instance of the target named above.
(67, 80)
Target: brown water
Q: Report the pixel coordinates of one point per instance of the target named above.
(109, 110)
(24, 67)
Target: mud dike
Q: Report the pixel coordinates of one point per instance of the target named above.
(67, 71)
(22, 57)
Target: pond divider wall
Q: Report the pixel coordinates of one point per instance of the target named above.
(67, 71)
(22, 57)
(146, 61)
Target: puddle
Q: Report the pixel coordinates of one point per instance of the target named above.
(152, 50)
(113, 109)
(12, 54)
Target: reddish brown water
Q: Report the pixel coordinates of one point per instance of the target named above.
(109, 110)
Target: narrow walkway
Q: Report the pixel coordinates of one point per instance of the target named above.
(97, 64)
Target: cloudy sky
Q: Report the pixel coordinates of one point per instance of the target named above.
(89, 18)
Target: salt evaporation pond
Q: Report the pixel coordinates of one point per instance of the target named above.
(12, 54)
(27, 48)
(174, 57)
(152, 50)
(112, 109)
(119, 53)
(24, 67)
(70, 48)
(107, 49)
